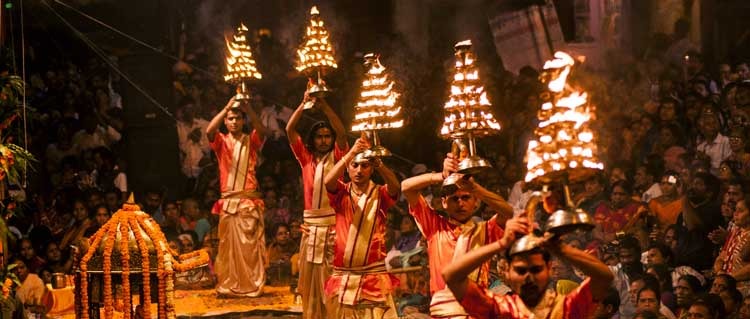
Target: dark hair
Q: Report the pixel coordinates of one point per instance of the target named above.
(664, 275)
(735, 294)
(712, 182)
(612, 298)
(655, 289)
(545, 254)
(693, 282)
(277, 226)
(625, 185)
(310, 139)
(713, 304)
(665, 251)
(731, 282)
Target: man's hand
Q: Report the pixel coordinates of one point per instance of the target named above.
(514, 227)
(361, 145)
(466, 183)
(450, 165)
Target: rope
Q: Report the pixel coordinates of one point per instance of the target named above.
(104, 57)
(23, 77)
(132, 38)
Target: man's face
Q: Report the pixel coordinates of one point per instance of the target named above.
(725, 71)
(745, 308)
(729, 304)
(234, 122)
(528, 275)
(626, 256)
(734, 193)
(407, 225)
(152, 202)
(360, 172)
(633, 290)
(719, 285)
(112, 200)
(669, 238)
(323, 140)
(647, 301)
(603, 311)
(684, 293)
(654, 257)
(667, 111)
(460, 205)
(698, 312)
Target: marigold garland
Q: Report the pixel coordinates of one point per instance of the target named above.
(6, 287)
(144, 229)
(125, 257)
(107, 269)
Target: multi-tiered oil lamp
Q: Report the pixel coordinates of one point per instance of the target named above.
(315, 56)
(377, 108)
(240, 63)
(467, 112)
(563, 149)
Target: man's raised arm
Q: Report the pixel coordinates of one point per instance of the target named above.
(291, 127)
(414, 185)
(215, 123)
(338, 170)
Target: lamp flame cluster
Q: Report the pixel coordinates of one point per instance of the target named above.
(563, 141)
(468, 109)
(316, 51)
(376, 108)
(240, 62)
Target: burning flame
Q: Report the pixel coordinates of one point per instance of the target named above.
(377, 108)
(467, 108)
(240, 62)
(316, 50)
(563, 137)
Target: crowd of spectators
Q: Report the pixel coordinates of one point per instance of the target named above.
(671, 207)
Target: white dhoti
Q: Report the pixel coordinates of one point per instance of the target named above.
(316, 257)
(240, 263)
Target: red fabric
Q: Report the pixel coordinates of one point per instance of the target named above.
(223, 146)
(308, 162)
(613, 220)
(374, 286)
(442, 236)
(481, 303)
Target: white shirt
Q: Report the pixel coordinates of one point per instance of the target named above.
(718, 150)
(184, 129)
(101, 137)
(270, 118)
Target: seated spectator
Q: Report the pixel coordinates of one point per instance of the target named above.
(81, 223)
(95, 134)
(55, 261)
(607, 308)
(101, 216)
(32, 287)
(406, 250)
(614, 215)
(194, 219)
(196, 278)
(172, 219)
(732, 299)
(280, 251)
(28, 254)
(732, 259)
(707, 306)
(667, 207)
(686, 291)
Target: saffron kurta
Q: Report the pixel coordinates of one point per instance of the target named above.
(316, 248)
(443, 236)
(359, 255)
(240, 262)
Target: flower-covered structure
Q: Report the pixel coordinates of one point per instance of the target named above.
(376, 108)
(563, 144)
(132, 243)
